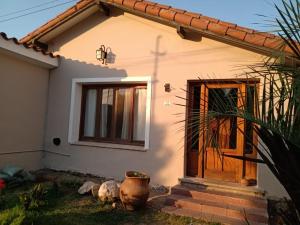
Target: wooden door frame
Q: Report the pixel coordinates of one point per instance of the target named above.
(218, 83)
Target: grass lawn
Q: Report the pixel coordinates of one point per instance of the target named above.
(64, 206)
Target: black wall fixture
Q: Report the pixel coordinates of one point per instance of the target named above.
(56, 141)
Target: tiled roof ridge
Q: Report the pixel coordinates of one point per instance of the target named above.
(182, 17)
(35, 48)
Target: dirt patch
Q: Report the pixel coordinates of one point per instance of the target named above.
(66, 176)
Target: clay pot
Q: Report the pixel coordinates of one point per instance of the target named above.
(134, 190)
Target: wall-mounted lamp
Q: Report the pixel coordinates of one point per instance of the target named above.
(101, 54)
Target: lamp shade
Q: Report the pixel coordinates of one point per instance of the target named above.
(98, 54)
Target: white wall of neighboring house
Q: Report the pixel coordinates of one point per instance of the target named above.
(139, 48)
(23, 103)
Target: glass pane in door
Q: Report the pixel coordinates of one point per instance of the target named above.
(222, 130)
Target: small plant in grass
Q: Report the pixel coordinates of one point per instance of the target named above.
(35, 198)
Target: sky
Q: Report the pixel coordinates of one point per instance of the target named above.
(19, 17)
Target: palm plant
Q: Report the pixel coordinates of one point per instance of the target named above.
(277, 121)
(276, 117)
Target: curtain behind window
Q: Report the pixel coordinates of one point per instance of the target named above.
(90, 113)
(124, 104)
(106, 112)
(139, 114)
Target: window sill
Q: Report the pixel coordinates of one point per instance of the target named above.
(110, 146)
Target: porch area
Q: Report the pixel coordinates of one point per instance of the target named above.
(215, 200)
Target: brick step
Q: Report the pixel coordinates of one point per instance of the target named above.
(206, 216)
(217, 208)
(233, 199)
(222, 186)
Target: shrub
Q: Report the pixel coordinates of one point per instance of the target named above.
(35, 198)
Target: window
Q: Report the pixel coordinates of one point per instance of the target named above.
(114, 113)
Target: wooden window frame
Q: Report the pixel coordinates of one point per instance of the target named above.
(112, 137)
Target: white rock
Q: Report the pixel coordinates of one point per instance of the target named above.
(95, 190)
(86, 187)
(108, 191)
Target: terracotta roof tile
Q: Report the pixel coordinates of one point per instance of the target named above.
(182, 17)
(178, 10)
(35, 48)
(129, 3)
(274, 43)
(268, 35)
(69, 12)
(210, 19)
(288, 49)
(217, 28)
(150, 3)
(141, 6)
(238, 34)
(163, 6)
(247, 30)
(194, 15)
(227, 24)
(256, 39)
(200, 23)
(53, 22)
(153, 10)
(80, 5)
(167, 14)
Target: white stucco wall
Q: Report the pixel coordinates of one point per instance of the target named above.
(141, 48)
(23, 101)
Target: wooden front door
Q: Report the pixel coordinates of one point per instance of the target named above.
(219, 136)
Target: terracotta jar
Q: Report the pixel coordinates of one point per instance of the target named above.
(134, 190)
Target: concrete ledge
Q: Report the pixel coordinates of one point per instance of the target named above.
(111, 146)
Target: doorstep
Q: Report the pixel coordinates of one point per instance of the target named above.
(223, 186)
(216, 201)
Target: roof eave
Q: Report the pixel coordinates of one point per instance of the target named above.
(205, 33)
(251, 45)
(28, 54)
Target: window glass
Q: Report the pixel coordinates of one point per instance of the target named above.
(123, 109)
(90, 113)
(114, 113)
(139, 114)
(194, 118)
(106, 112)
